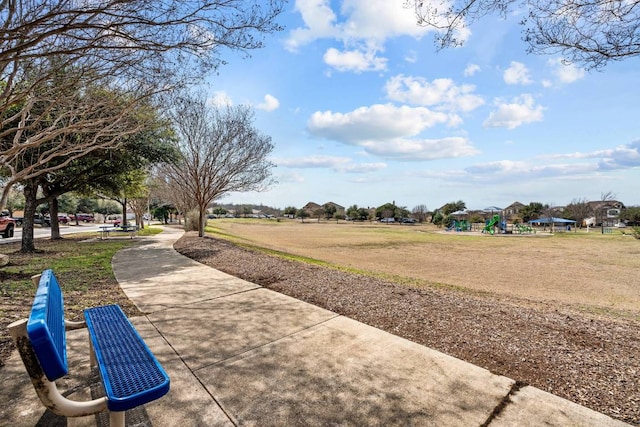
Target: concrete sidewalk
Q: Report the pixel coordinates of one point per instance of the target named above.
(239, 354)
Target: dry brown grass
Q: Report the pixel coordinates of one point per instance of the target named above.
(591, 271)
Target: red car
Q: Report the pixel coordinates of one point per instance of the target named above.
(7, 225)
(84, 217)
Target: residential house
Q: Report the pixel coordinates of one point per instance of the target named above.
(605, 212)
(340, 210)
(512, 211)
(313, 208)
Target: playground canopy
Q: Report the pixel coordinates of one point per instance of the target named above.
(492, 209)
(551, 220)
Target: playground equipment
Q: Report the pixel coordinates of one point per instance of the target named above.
(459, 225)
(524, 228)
(491, 224)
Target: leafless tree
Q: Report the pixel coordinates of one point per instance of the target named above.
(586, 32)
(167, 189)
(141, 199)
(605, 203)
(549, 212)
(579, 210)
(318, 213)
(139, 206)
(420, 212)
(220, 152)
(137, 48)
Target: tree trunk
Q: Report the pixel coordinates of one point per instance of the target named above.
(201, 218)
(124, 212)
(30, 192)
(53, 212)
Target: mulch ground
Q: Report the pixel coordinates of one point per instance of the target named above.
(589, 359)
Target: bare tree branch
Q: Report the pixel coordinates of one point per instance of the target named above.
(52, 52)
(587, 32)
(220, 152)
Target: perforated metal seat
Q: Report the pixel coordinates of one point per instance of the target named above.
(131, 374)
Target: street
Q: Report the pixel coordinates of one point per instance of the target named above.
(41, 232)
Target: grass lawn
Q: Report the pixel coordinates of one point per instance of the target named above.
(82, 264)
(588, 271)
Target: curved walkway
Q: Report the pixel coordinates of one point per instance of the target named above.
(239, 354)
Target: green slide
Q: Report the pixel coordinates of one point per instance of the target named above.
(490, 226)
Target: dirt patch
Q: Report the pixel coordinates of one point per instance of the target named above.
(594, 270)
(593, 360)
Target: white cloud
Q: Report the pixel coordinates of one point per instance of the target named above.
(497, 167)
(371, 21)
(520, 111)
(338, 164)
(362, 167)
(290, 177)
(361, 27)
(319, 22)
(567, 166)
(317, 161)
(471, 70)
(411, 57)
(378, 20)
(390, 132)
(220, 99)
(379, 121)
(420, 149)
(517, 73)
(444, 94)
(354, 60)
(566, 73)
(519, 170)
(621, 157)
(270, 103)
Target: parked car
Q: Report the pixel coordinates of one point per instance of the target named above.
(84, 217)
(63, 219)
(7, 225)
(388, 220)
(42, 220)
(17, 217)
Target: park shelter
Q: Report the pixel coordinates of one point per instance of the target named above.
(553, 221)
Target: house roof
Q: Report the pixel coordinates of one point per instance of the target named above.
(333, 204)
(311, 205)
(515, 204)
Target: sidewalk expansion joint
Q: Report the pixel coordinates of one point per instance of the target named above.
(506, 400)
(237, 355)
(184, 363)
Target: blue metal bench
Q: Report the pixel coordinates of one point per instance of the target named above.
(130, 373)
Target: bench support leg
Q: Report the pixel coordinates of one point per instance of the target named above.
(116, 419)
(47, 390)
(92, 355)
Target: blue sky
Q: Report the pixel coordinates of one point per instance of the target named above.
(363, 110)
